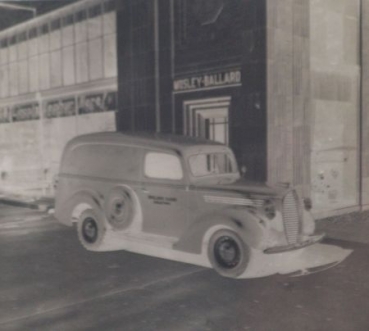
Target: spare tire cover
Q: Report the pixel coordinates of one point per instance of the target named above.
(119, 208)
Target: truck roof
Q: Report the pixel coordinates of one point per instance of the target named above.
(158, 140)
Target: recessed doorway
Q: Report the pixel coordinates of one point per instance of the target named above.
(208, 118)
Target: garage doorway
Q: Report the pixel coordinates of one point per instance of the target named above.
(208, 118)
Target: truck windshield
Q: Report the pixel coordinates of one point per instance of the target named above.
(211, 164)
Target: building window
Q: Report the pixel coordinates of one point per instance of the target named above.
(12, 40)
(4, 43)
(55, 25)
(32, 33)
(75, 48)
(80, 16)
(109, 6)
(206, 23)
(44, 29)
(22, 37)
(94, 11)
(68, 20)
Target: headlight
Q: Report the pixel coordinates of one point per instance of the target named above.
(308, 204)
(56, 182)
(269, 209)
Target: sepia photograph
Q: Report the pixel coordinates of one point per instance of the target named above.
(184, 165)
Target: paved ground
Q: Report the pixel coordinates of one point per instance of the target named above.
(48, 282)
(350, 227)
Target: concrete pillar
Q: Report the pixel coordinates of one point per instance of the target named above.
(288, 93)
(365, 101)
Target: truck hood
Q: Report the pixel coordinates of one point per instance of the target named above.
(243, 186)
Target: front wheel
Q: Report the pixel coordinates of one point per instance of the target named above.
(228, 254)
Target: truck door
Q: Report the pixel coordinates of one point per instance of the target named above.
(163, 194)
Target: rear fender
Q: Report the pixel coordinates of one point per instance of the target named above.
(76, 205)
(244, 223)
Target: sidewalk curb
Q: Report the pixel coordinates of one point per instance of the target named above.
(41, 205)
(350, 227)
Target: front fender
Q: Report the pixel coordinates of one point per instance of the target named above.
(64, 212)
(243, 222)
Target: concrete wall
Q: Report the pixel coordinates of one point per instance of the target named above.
(313, 100)
(58, 79)
(30, 151)
(335, 81)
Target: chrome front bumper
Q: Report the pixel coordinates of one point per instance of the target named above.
(304, 243)
(296, 262)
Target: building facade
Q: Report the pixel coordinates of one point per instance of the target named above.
(283, 82)
(58, 79)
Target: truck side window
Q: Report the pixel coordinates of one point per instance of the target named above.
(163, 166)
(211, 164)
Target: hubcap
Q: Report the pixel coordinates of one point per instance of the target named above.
(119, 211)
(89, 230)
(118, 208)
(227, 252)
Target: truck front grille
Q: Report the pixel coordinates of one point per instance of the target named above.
(291, 217)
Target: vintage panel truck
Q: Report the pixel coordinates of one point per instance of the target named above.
(184, 199)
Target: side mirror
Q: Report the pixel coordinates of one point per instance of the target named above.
(243, 171)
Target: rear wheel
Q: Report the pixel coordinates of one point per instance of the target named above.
(91, 229)
(228, 254)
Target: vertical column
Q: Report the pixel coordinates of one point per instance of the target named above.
(301, 96)
(288, 92)
(165, 64)
(365, 100)
(248, 111)
(124, 116)
(144, 65)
